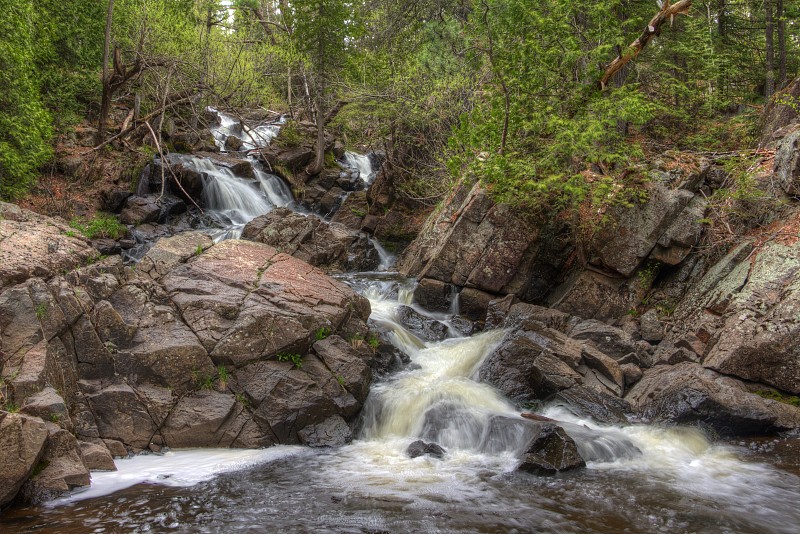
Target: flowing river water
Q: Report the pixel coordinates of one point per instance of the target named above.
(638, 478)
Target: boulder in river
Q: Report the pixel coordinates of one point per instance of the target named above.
(308, 238)
(551, 451)
(420, 448)
(689, 394)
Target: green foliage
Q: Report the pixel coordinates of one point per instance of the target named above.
(25, 128)
(373, 341)
(296, 359)
(10, 407)
(41, 311)
(242, 399)
(103, 225)
(777, 396)
(322, 333)
(289, 135)
(223, 376)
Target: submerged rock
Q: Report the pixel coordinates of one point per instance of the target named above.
(424, 327)
(420, 448)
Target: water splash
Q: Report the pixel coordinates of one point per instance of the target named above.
(363, 165)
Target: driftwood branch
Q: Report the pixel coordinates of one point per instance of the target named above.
(667, 13)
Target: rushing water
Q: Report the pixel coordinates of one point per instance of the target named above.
(638, 478)
(642, 478)
(363, 165)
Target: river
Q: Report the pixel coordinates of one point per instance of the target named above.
(638, 478)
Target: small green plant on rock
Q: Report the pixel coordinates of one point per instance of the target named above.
(41, 311)
(223, 376)
(103, 225)
(11, 407)
(356, 341)
(322, 333)
(198, 250)
(242, 399)
(296, 359)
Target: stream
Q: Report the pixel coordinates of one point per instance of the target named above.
(638, 478)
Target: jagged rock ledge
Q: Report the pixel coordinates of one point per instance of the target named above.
(232, 345)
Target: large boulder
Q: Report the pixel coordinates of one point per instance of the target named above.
(246, 302)
(746, 310)
(637, 230)
(308, 238)
(787, 163)
(473, 242)
(62, 468)
(22, 441)
(35, 245)
(689, 394)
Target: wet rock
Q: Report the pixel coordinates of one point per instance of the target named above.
(586, 402)
(689, 394)
(610, 340)
(106, 247)
(609, 370)
(632, 373)
(551, 451)
(233, 143)
(650, 328)
(22, 442)
(434, 295)
(332, 432)
(497, 310)
(353, 212)
(424, 327)
(286, 399)
(96, 457)
(532, 364)
(140, 210)
(473, 303)
(420, 448)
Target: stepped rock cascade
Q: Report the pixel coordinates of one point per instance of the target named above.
(469, 482)
(232, 200)
(250, 137)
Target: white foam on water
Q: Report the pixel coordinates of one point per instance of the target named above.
(178, 468)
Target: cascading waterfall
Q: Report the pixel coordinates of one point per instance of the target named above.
(363, 165)
(638, 478)
(232, 200)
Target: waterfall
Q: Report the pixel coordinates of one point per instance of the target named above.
(362, 164)
(232, 200)
(251, 137)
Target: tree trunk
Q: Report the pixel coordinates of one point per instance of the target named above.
(319, 159)
(781, 43)
(769, 62)
(666, 13)
(105, 101)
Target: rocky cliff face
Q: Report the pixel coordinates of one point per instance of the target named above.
(233, 345)
(647, 327)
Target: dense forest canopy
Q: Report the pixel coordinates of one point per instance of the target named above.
(506, 91)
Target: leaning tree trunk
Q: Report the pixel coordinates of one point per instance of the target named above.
(667, 13)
